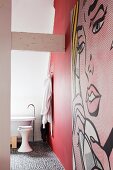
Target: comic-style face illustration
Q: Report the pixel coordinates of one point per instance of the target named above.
(92, 106)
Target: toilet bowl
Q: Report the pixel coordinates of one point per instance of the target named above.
(24, 132)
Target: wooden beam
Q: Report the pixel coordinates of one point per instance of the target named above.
(38, 42)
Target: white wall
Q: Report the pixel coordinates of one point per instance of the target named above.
(5, 49)
(28, 69)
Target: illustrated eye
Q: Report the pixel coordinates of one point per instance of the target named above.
(80, 47)
(97, 26)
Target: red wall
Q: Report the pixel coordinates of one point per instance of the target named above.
(61, 142)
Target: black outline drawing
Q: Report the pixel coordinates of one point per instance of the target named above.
(79, 116)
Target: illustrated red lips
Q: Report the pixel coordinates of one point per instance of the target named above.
(93, 100)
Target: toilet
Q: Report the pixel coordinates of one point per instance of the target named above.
(24, 132)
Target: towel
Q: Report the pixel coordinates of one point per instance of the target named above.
(46, 110)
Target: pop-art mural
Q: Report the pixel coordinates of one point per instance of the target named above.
(92, 85)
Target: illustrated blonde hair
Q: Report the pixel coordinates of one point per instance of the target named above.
(74, 32)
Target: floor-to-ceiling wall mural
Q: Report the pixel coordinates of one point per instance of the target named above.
(92, 84)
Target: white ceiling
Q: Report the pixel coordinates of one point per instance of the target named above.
(35, 16)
